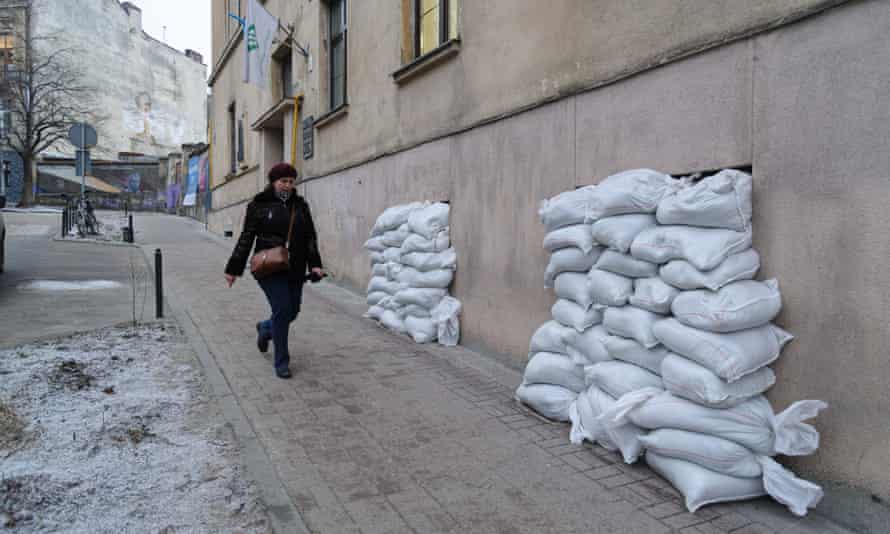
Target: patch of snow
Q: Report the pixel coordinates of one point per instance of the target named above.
(19, 230)
(119, 436)
(57, 285)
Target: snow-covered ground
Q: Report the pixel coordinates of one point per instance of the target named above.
(113, 431)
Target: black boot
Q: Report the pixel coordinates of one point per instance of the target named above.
(262, 342)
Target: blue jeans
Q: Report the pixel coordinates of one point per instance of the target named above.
(284, 293)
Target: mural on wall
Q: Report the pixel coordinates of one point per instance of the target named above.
(152, 129)
(191, 189)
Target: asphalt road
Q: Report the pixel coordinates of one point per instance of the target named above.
(33, 258)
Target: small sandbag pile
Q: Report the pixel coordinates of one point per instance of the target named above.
(681, 355)
(412, 267)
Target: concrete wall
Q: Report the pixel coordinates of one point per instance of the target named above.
(152, 96)
(804, 104)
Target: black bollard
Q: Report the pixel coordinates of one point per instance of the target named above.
(159, 285)
(130, 233)
(64, 223)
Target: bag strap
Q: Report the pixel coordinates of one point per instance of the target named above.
(290, 228)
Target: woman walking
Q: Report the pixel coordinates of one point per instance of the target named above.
(278, 217)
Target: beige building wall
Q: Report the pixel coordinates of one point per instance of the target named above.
(522, 113)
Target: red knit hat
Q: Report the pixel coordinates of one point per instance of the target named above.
(282, 170)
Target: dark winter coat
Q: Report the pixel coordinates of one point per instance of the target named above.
(266, 224)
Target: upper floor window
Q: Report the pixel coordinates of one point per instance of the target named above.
(435, 22)
(337, 48)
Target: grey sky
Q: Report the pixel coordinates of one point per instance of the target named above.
(187, 22)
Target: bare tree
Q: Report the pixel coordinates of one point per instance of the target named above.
(45, 94)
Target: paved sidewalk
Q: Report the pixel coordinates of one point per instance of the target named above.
(377, 434)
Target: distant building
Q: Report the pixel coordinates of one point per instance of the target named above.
(152, 98)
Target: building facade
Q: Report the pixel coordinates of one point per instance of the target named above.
(149, 98)
(499, 104)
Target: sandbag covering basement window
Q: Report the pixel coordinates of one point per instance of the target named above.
(412, 267)
(659, 312)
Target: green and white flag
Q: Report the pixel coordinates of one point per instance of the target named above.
(259, 30)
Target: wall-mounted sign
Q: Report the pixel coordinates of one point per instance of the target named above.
(308, 140)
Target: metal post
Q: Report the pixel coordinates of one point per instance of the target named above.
(64, 222)
(130, 234)
(159, 285)
(83, 165)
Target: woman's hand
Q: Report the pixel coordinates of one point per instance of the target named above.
(317, 271)
(230, 279)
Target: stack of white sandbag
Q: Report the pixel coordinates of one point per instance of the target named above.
(588, 276)
(412, 266)
(629, 296)
(706, 426)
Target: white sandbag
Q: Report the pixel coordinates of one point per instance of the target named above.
(729, 459)
(736, 306)
(550, 401)
(378, 269)
(410, 277)
(626, 265)
(418, 243)
(567, 313)
(653, 294)
(422, 330)
(681, 274)
(424, 297)
(416, 311)
(609, 289)
(446, 318)
(584, 416)
(687, 379)
(375, 296)
(577, 236)
(375, 244)
(549, 337)
(393, 321)
(375, 312)
(376, 258)
(431, 261)
(567, 208)
(633, 323)
(586, 348)
(730, 356)
(751, 423)
(554, 369)
(618, 232)
(395, 238)
(719, 201)
(390, 303)
(633, 191)
(711, 452)
(393, 217)
(573, 287)
(570, 259)
(701, 486)
(628, 350)
(392, 255)
(619, 378)
(704, 248)
(430, 220)
(381, 284)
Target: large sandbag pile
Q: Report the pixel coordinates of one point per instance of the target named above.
(412, 267)
(681, 354)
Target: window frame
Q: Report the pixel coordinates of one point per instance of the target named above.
(233, 139)
(444, 30)
(335, 40)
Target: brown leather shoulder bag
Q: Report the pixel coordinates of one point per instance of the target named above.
(275, 259)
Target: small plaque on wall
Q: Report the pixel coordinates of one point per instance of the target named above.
(308, 139)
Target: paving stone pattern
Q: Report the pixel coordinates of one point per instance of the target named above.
(377, 434)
